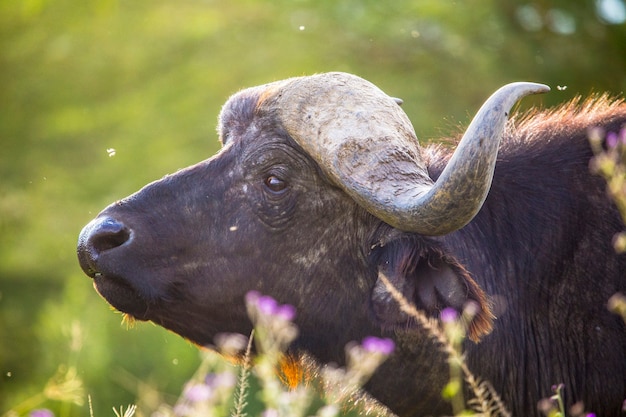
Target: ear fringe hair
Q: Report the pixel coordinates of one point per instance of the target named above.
(487, 402)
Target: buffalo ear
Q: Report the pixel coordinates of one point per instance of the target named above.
(431, 281)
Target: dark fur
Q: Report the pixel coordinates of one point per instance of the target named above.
(542, 244)
(184, 251)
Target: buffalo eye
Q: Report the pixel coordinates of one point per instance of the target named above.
(275, 184)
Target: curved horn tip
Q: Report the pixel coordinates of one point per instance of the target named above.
(536, 88)
(523, 88)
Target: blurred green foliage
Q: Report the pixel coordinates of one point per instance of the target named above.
(147, 78)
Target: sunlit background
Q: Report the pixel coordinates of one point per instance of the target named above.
(99, 97)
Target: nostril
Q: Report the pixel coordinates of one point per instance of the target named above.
(99, 236)
(108, 234)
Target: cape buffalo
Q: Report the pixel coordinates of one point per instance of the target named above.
(321, 189)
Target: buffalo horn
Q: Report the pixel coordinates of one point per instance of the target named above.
(365, 143)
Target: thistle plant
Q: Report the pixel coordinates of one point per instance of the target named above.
(610, 163)
(274, 332)
(554, 406)
(343, 386)
(256, 384)
(322, 391)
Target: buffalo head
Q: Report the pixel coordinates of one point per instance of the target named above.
(317, 190)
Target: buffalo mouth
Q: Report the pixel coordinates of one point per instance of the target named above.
(122, 296)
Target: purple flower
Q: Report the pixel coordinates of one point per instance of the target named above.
(230, 343)
(449, 315)
(611, 139)
(268, 306)
(42, 412)
(220, 380)
(557, 387)
(376, 345)
(286, 312)
(252, 297)
(198, 392)
(182, 410)
(591, 415)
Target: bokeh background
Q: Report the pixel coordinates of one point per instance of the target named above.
(99, 97)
